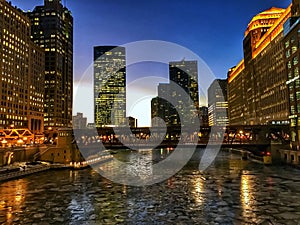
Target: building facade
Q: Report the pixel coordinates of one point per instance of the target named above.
(79, 122)
(217, 103)
(21, 72)
(132, 122)
(52, 30)
(203, 116)
(109, 86)
(162, 108)
(257, 91)
(183, 76)
(291, 43)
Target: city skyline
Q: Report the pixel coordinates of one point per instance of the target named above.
(203, 39)
(162, 22)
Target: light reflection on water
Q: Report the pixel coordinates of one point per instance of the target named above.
(12, 198)
(247, 197)
(198, 192)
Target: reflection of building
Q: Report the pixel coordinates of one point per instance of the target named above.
(217, 103)
(291, 42)
(109, 85)
(21, 72)
(184, 76)
(257, 91)
(79, 122)
(52, 30)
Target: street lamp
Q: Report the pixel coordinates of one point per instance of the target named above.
(4, 142)
(20, 142)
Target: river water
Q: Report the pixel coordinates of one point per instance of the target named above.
(230, 191)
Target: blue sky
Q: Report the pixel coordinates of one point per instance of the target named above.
(213, 30)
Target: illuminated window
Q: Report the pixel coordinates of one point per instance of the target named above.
(296, 72)
(292, 109)
(287, 44)
(297, 83)
(294, 49)
(298, 95)
(295, 60)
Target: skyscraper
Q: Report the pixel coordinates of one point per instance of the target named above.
(109, 86)
(21, 72)
(185, 75)
(52, 30)
(162, 108)
(217, 103)
(203, 116)
(79, 122)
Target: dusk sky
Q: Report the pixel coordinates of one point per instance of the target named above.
(213, 30)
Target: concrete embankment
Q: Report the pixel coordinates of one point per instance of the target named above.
(23, 172)
(15, 172)
(248, 155)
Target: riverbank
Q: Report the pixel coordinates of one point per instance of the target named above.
(21, 169)
(15, 172)
(247, 155)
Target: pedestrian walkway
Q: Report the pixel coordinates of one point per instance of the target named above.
(24, 171)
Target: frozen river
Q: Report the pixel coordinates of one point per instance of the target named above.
(230, 191)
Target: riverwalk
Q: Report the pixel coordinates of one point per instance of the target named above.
(23, 172)
(16, 172)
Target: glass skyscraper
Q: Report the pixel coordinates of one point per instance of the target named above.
(109, 86)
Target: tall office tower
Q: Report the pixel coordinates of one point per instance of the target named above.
(109, 86)
(203, 116)
(21, 72)
(217, 103)
(79, 122)
(52, 30)
(257, 90)
(185, 74)
(162, 108)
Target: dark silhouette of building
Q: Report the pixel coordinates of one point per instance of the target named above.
(217, 103)
(52, 30)
(132, 122)
(109, 86)
(183, 76)
(79, 122)
(203, 116)
(162, 108)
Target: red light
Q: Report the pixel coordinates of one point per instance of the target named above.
(268, 153)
